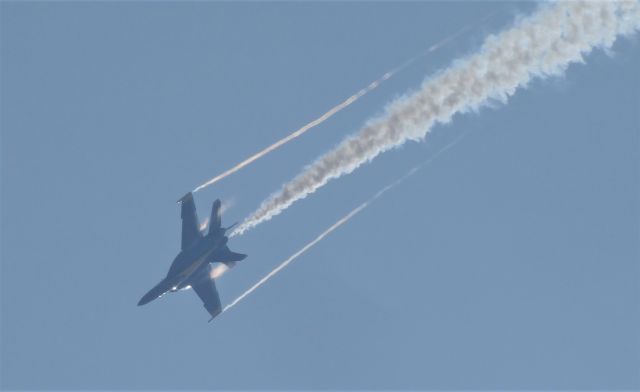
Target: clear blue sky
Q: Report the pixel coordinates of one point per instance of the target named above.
(512, 261)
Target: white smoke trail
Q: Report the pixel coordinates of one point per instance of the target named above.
(339, 107)
(540, 45)
(339, 223)
(299, 132)
(294, 256)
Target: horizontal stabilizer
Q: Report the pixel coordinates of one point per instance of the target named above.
(225, 255)
(233, 256)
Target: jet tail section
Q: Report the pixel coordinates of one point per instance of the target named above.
(215, 222)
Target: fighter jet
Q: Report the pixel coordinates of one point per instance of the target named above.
(192, 267)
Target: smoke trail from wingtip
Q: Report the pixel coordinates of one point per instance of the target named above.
(299, 132)
(334, 110)
(538, 46)
(294, 256)
(340, 222)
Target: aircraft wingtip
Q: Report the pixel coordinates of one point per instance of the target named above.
(215, 314)
(189, 195)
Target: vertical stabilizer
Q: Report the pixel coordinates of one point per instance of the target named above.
(215, 222)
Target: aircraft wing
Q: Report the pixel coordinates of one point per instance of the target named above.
(206, 290)
(190, 230)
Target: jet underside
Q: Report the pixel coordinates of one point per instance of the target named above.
(192, 266)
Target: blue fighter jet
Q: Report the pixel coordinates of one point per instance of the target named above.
(193, 265)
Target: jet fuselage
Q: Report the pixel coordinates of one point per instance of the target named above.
(192, 266)
(188, 264)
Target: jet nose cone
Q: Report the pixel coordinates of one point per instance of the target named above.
(144, 300)
(150, 296)
(154, 293)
